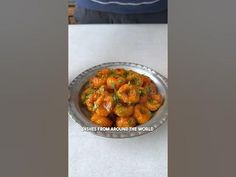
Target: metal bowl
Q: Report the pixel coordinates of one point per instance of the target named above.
(80, 114)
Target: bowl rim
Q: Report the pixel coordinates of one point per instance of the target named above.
(118, 134)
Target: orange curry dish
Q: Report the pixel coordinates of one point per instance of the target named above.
(120, 98)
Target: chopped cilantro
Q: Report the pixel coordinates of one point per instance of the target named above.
(120, 81)
(151, 101)
(115, 98)
(148, 89)
(141, 92)
(137, 81)
(113, 85)
(113, 73)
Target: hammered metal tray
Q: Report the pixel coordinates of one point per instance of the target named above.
(81, 115)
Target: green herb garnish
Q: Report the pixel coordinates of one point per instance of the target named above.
(115, 98)
(148, 89)
(141, 91)
(120, 81)
(113, 73)
(137, 81)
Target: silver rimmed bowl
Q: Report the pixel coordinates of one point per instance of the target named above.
(80, 114)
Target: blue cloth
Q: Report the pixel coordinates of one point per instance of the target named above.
(124, 6)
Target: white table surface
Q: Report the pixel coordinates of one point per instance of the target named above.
(94, 156)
